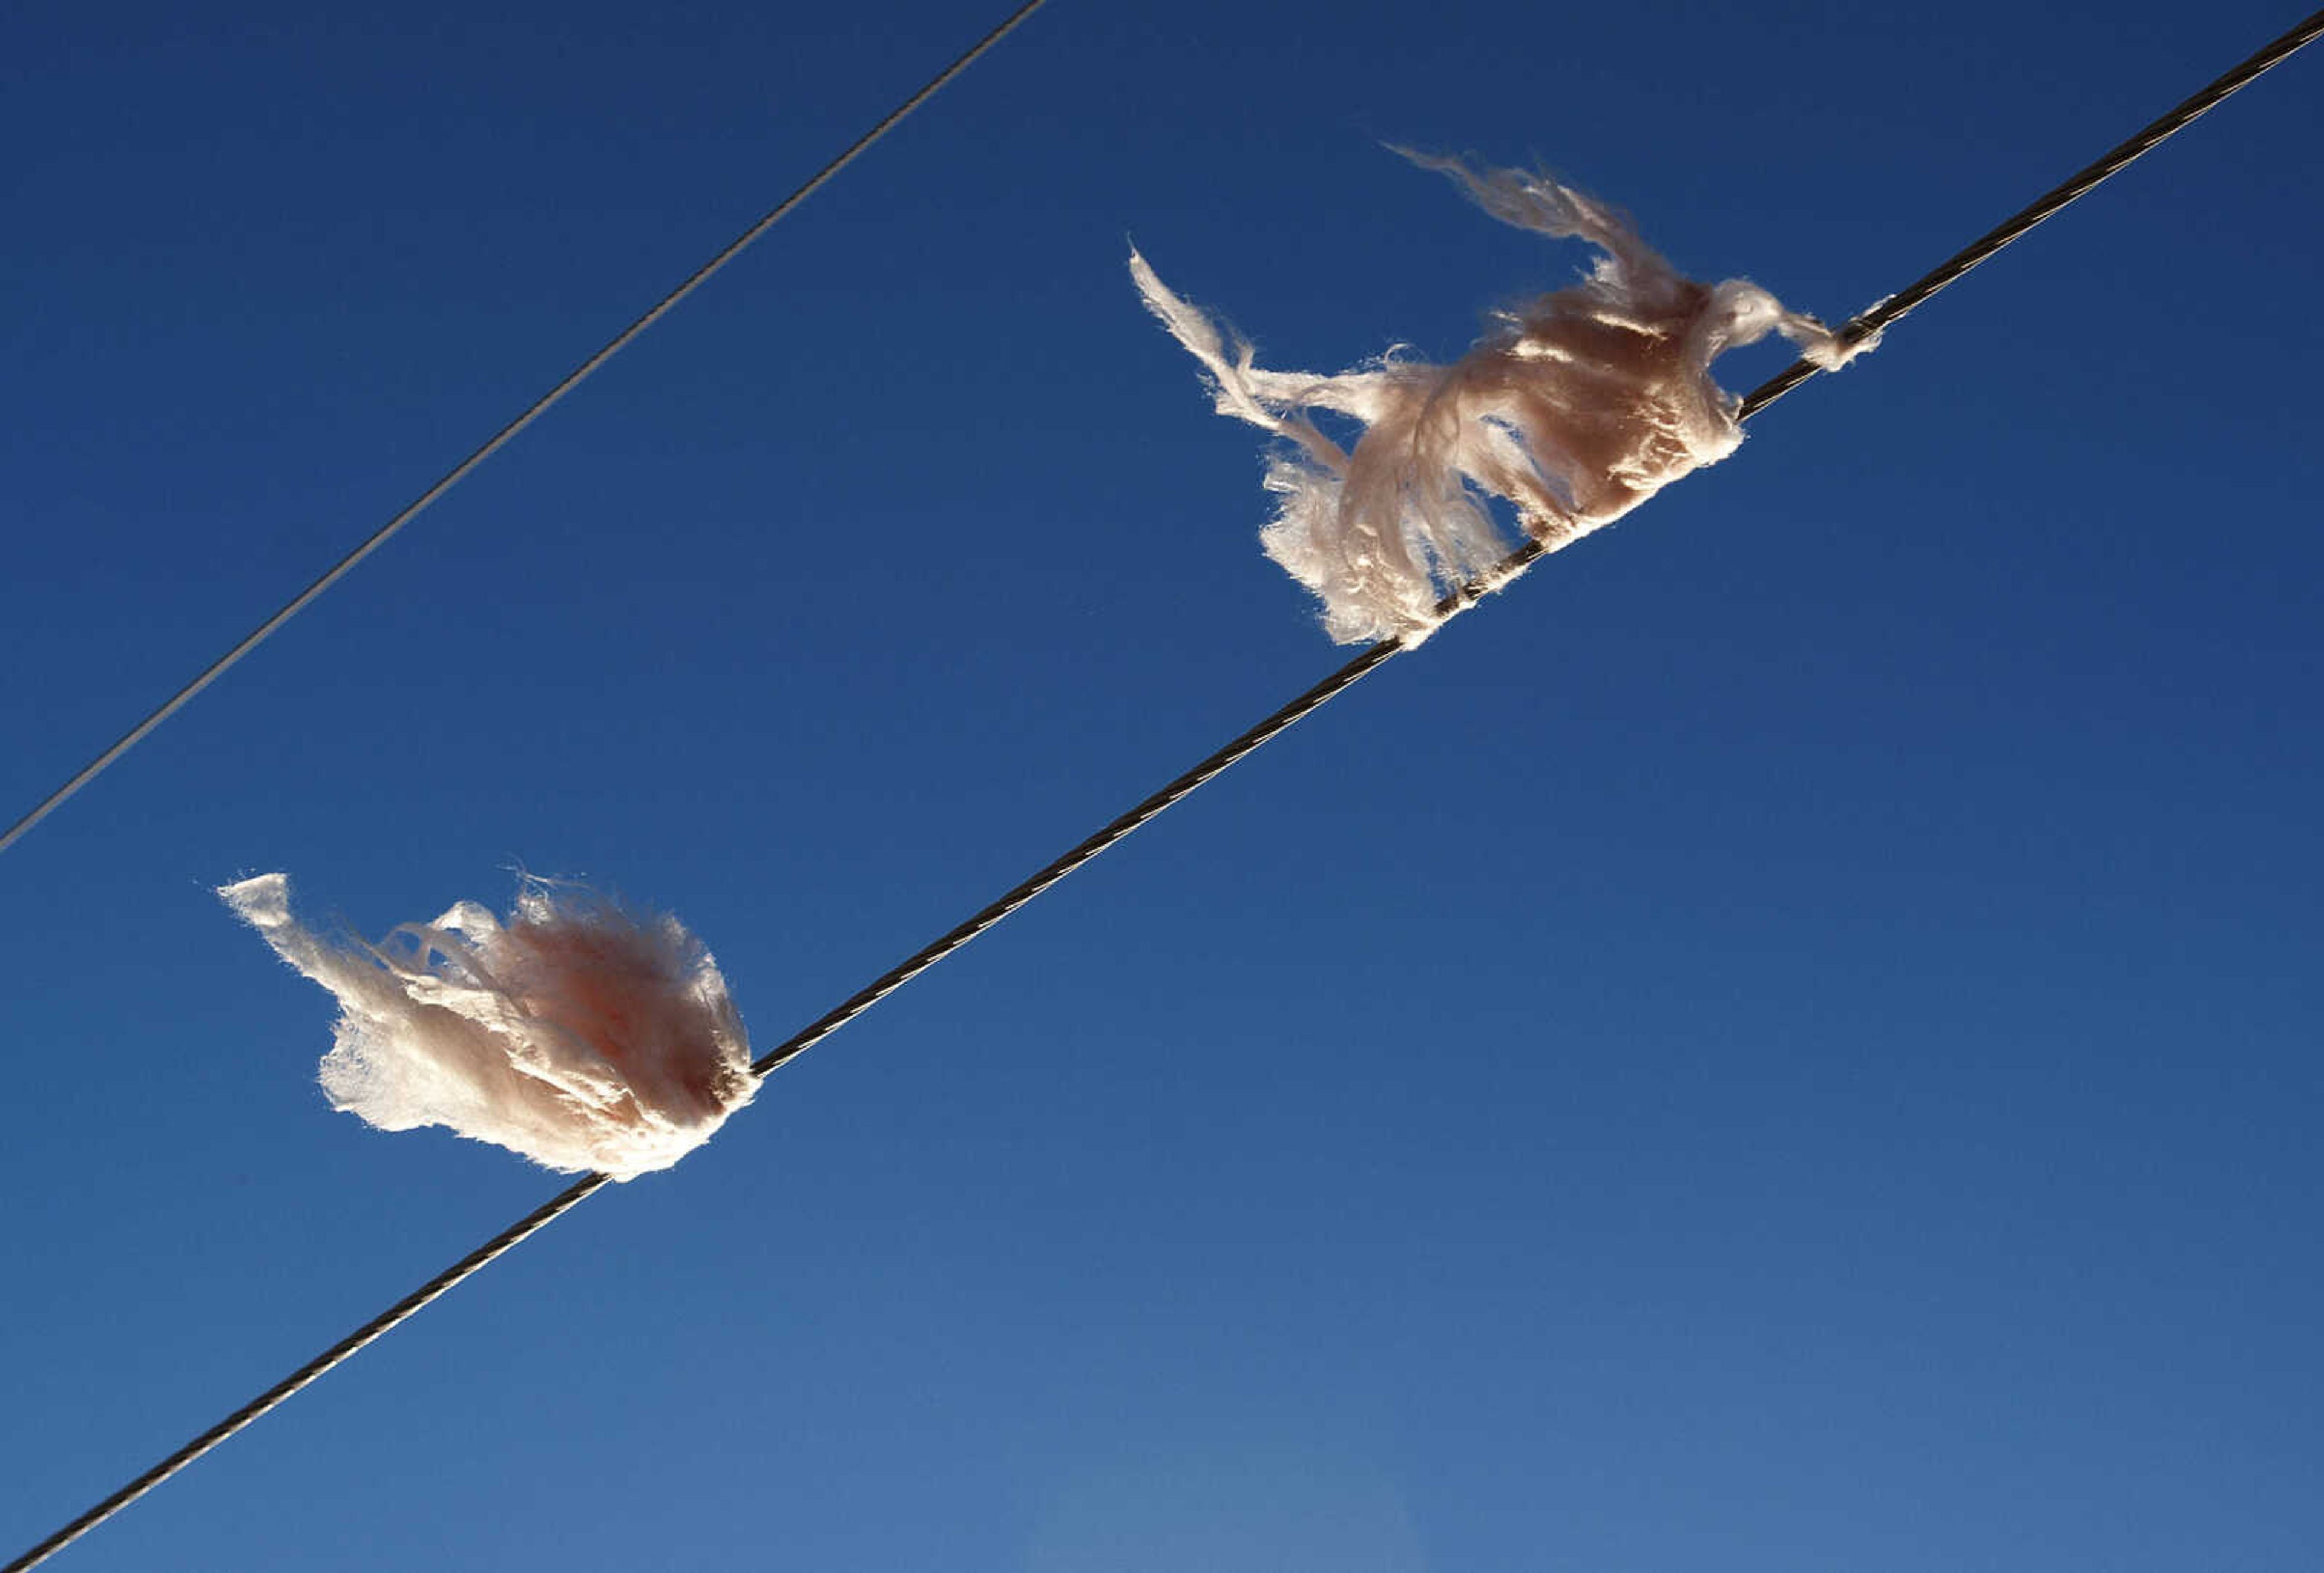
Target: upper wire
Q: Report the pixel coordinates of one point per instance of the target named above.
(1365, 663)
(500, 438)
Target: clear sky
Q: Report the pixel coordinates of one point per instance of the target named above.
(1788, 1041)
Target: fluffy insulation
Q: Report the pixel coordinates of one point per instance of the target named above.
(1575, 407)
(576, 1033)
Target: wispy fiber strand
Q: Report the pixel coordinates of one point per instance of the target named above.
(1576, 406)
(1315, 699)
(585, 1034)
(500, 438)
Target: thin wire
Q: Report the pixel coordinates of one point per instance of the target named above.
(500, 438)
(1306, 704)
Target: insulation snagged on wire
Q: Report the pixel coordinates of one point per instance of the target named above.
(1575, 408)
(584, 1036)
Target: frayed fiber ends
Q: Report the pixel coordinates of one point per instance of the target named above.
(1574, 409)
(576, 1033)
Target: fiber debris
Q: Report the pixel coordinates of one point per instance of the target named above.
(577, 1033)
(1574, 409)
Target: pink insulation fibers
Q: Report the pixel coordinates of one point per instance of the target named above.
(577, 1033)
(1575, 407)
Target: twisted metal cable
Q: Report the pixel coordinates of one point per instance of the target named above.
(2074, 189)
(500, 438)
(936, 949)
(387, 1321)
(799, 1043)
(1370, 660)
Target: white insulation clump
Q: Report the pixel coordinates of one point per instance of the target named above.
(1575, 408)
(575, 1033)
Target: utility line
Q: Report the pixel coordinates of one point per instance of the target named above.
(1306, 704)
(2081, 184)
(500, 438)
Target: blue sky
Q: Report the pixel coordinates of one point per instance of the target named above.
(1787, 1040)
